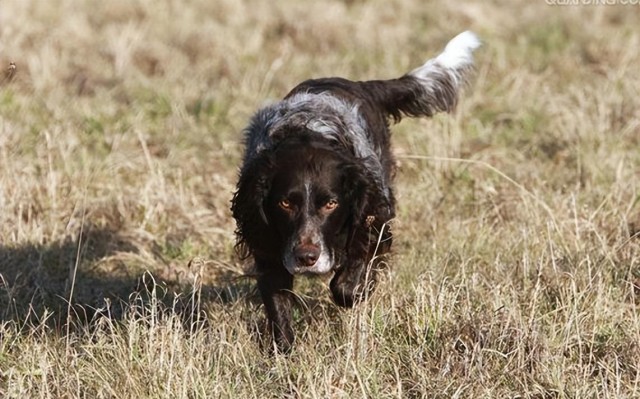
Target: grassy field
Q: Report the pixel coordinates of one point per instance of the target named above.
(516, 269)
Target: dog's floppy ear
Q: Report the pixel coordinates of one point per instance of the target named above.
(371, 207)
(247, 205)
(355, 187)
(368, 205)
(365, 195)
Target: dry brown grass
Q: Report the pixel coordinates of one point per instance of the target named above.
(516, 269)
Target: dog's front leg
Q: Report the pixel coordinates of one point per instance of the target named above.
(353, 282)
(357, 277)
(275, 286)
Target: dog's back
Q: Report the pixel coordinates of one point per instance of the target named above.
(428, 89)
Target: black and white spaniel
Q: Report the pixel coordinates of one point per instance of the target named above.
(314, 194)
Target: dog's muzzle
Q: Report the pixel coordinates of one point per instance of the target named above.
(306, 254)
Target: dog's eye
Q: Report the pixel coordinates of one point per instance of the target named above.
(285, 204)
(331, 205)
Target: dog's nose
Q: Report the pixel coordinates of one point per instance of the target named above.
(307, 255)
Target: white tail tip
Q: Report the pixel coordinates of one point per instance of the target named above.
(459, 50)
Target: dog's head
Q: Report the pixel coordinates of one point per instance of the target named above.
(300, 202)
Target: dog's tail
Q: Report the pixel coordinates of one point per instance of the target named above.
(433, 87)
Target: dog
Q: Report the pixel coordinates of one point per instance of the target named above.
(314, 193)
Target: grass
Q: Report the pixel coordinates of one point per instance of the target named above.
(516, 270)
